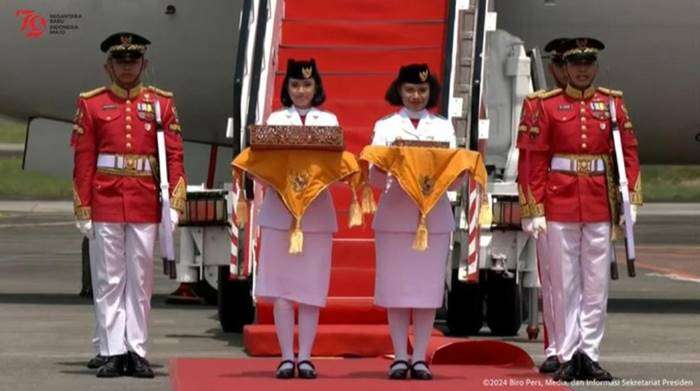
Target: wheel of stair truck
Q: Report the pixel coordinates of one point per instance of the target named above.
(204, 290)
(235, 302)
(503, 304)
(464, 308)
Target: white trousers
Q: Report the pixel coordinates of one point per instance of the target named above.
(550, 343)
(580, 255)
(121, 263)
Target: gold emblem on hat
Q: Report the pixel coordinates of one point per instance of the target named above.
(423, 75)
(307, 72)
(582, 43)
(125, 39)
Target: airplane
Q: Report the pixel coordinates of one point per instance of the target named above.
(55, 55)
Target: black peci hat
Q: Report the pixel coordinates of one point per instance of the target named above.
(582, 49)
(125, 45)
(302, 69)
(414, 73)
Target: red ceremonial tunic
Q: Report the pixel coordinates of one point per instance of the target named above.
(118, 122)
(576, 124)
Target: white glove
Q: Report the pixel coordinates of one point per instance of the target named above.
(526, 225)
(633, 215)
(85, 228)
(539, 225)
(174, 219)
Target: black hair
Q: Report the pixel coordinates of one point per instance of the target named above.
(319, 94)
(393, 95)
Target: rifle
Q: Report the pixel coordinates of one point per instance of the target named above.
(624, 190)
(165, 234)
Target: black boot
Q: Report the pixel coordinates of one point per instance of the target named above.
(550, 365)
(591, 370)
(569, 370)
(96, 362)
(138, 366)
(113, 367)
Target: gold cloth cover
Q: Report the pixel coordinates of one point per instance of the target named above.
(425, 174)
(299, 177)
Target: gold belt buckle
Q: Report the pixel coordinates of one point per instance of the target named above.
(130, 164)
(584, 166)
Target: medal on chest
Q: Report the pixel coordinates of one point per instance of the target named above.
(145, 111)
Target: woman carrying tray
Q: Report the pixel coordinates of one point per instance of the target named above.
(409, 281)
(302, 278)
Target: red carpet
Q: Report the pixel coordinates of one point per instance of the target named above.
(190, 374)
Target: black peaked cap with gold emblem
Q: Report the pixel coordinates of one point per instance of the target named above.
(414, 73)
(555, 47)
(301, 69)
(582, 48)
(125, 44)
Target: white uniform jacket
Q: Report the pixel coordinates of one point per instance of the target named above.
(320, 216)
(396, 211)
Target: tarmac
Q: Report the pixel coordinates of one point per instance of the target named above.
(651, 342)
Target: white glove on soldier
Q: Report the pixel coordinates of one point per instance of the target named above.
(85, 228)
(539, 225)
(174, 219)
(633, 215)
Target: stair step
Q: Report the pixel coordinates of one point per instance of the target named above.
(365, 9)
(351, 33)
(361, 60)
(339, 310)
(339, 340)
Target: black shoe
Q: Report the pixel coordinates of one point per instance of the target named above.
(421, 374)
(96, 362)
(400, 372)
(306, 373)
(113, 367)
(286, 373)
(591, 370)
(138, 366)
(550, 365)
(568, 371)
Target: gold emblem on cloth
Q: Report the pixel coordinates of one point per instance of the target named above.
(298, 180)
(427, 184)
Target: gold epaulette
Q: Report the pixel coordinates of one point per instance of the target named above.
(535, 94)
(91, 93)
(160, 92)
(551, 93)
(610, 92)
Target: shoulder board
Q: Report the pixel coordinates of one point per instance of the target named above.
(160, 92)
(91, 93)
(535, 94)
(610, 92)
(551, 93)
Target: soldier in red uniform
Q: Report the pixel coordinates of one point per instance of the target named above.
(527, 131)
(116, 198)
(570, 176)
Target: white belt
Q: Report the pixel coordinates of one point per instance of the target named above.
(579, 165)
(121, 162)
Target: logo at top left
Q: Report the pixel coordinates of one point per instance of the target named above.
(32, 24)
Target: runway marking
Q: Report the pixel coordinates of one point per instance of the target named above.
(24, 225)
(669, 273)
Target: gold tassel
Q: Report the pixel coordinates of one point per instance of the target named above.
(241, 211)
(369, 206)
(355, 218)
(242, 204)
(296, 238)
(421, 241)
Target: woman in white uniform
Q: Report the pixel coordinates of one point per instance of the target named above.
(410, 282)
(284, 278)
